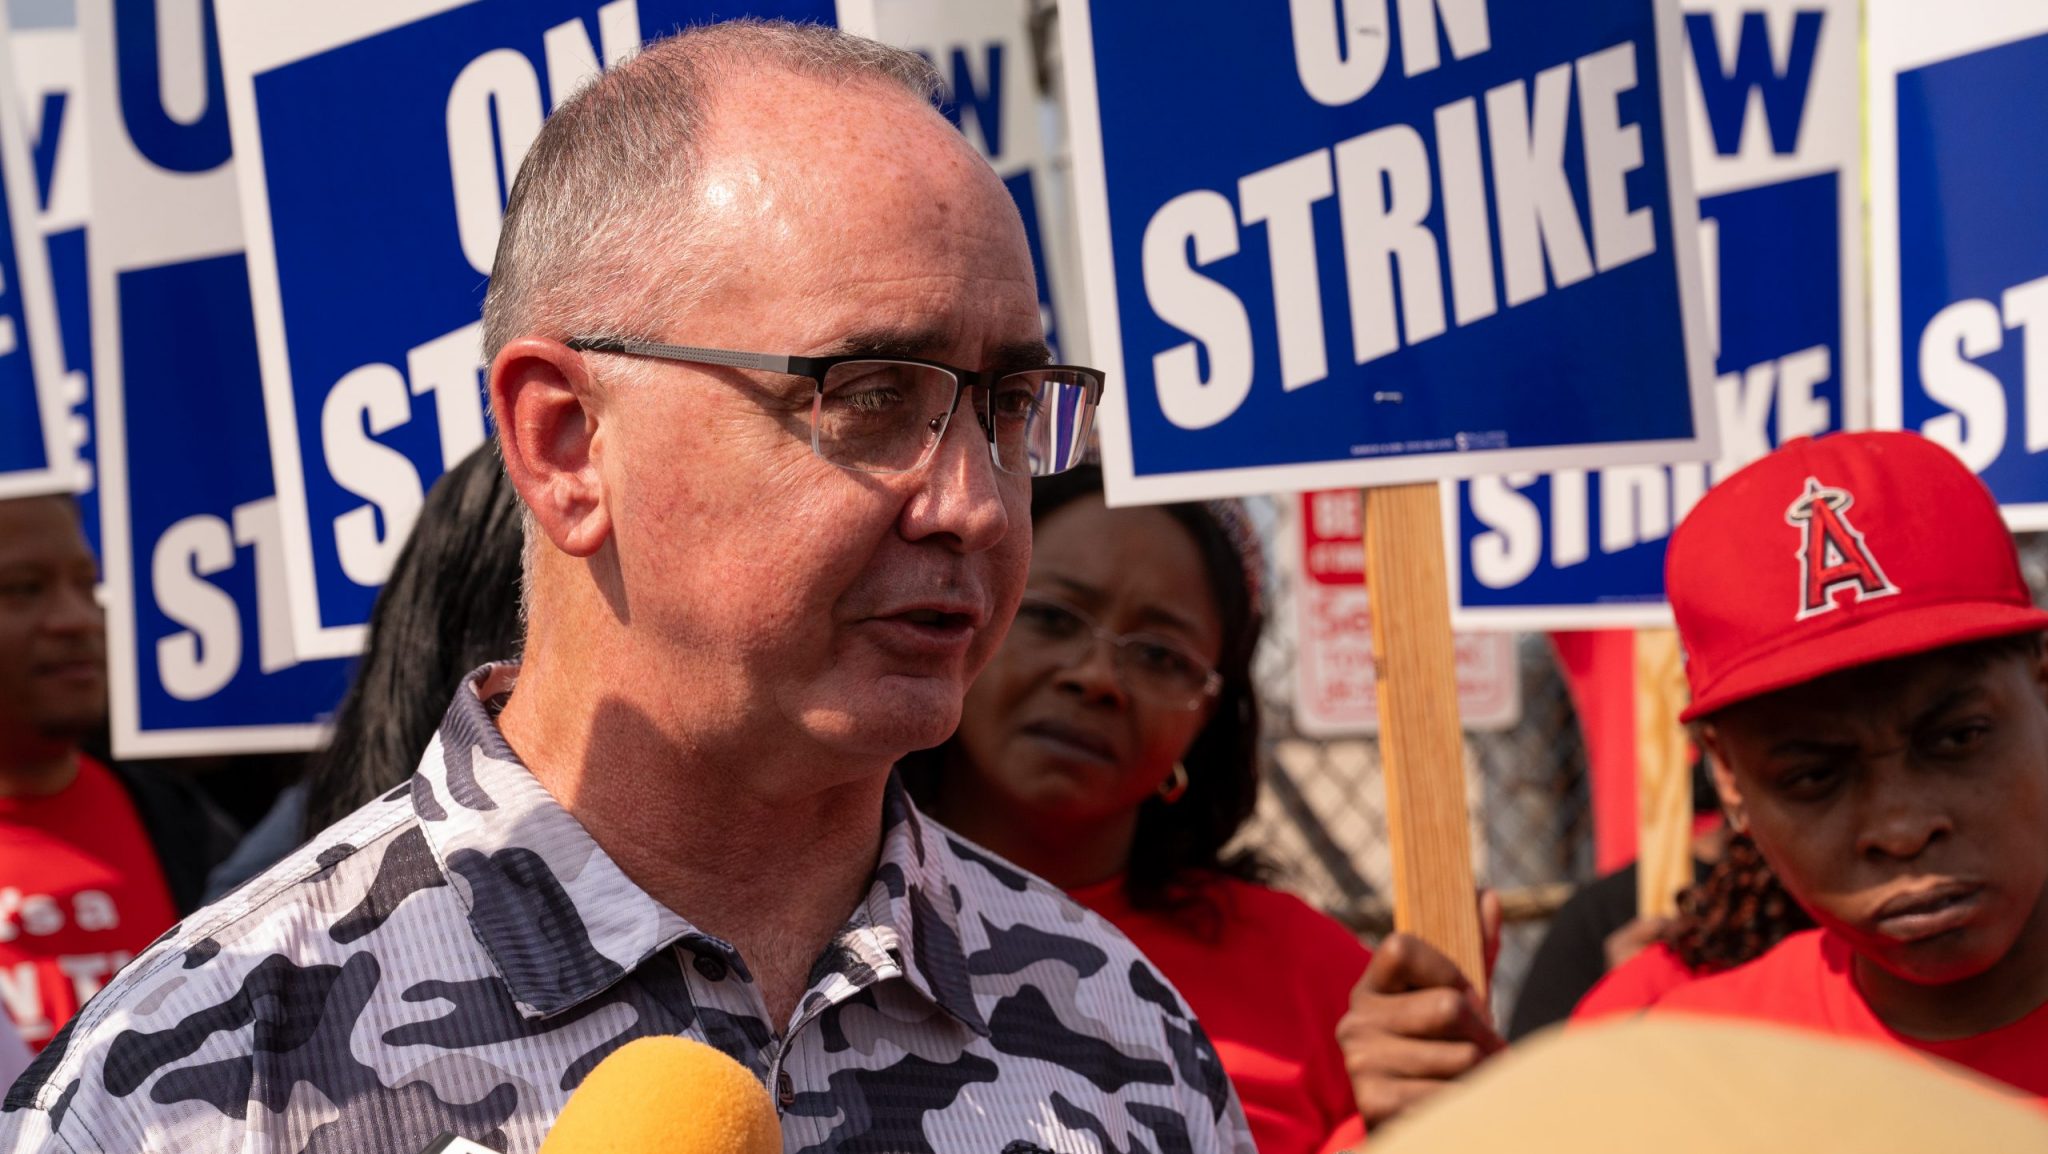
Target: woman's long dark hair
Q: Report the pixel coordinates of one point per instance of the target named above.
(1177, 846)
(452, 604)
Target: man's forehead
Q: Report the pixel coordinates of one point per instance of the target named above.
(769, 110)
(930, 342)
(853, 218)
(801, 149)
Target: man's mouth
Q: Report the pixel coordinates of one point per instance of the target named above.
(1929, 911)
(938, 619)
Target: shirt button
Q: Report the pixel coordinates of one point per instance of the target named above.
(785, 1089)
(709, 966)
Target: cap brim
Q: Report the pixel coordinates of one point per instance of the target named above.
(1881, 638)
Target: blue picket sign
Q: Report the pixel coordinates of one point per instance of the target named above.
(35, 449)
(1779, 232)
(1960, 239)
(48, 70)
(215, 650)
(1451, 240)
(200, 650)
(371, 212)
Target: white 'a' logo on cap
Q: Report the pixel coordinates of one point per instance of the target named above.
(1832, 554)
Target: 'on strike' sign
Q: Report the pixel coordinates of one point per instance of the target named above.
(1773, 89)
(1333, 243)
(372, 213)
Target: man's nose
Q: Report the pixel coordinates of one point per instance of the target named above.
(960, 493)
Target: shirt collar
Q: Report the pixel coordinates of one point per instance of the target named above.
(915, 895)
(557, 917)
(561, 921)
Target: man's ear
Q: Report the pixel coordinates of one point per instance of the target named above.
(546, 404)
(1724, 780)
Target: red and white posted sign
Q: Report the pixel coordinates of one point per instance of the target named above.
(1334, 694)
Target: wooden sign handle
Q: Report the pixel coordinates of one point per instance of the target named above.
(1663, 775)
(1422, 745)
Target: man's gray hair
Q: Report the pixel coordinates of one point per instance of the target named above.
(601, 224)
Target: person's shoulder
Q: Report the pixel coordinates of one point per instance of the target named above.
(1059, 981)
(1032, 919)
(1639, 983)
(1778, 984)
(297, 920)
(1013, 919)
(1289, 925)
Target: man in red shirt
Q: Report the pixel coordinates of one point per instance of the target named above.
(93, 864)
(1868, 671)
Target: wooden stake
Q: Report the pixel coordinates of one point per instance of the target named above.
(1663, 776)
(1422, 746)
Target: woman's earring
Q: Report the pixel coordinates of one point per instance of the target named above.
(1174, 786)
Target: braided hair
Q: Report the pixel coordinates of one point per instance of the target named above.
(1734, 914)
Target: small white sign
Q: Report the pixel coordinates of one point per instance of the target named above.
(1335, 695)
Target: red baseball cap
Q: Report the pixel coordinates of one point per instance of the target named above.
(1838, 552)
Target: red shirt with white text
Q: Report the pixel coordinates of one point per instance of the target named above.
(80, 894)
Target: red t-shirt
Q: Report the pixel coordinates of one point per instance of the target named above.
(1636, 984)
(1269, 991)
(1807, 981)
(80, 894)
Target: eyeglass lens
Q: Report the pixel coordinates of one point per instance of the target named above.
(1150, 665)
(884, 416)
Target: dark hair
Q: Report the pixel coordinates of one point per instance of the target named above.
(1735, 914)
(452, 604)
(1177, 844)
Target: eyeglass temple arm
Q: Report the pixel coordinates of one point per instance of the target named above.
(687, 353)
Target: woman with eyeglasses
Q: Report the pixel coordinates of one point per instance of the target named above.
(1111, 747)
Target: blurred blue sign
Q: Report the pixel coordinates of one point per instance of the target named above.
(1959, 237)
(199, 640)
(986, 57)
(372, 219)
(50, 74)
(35, 447)
(1773, 92)
(1333, 244)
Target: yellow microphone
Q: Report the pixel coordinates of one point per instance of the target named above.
(671, 1095)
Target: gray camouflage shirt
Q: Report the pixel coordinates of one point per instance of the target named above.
(459, 954)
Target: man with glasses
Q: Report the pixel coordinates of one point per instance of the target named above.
(754, 579)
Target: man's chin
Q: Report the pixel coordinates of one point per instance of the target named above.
(891, 716)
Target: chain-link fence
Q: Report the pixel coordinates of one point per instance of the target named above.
(1322, 816)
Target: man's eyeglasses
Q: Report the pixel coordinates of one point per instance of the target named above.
(1155, 668)
(886, 414)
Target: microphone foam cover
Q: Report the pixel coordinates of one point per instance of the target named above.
(672, 1095)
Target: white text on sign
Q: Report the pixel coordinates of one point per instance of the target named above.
(201, 659)
(1976, 428)
(494, 111)
(1385, 189)
(1643, 503)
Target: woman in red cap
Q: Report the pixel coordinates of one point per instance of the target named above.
(1867, 670)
